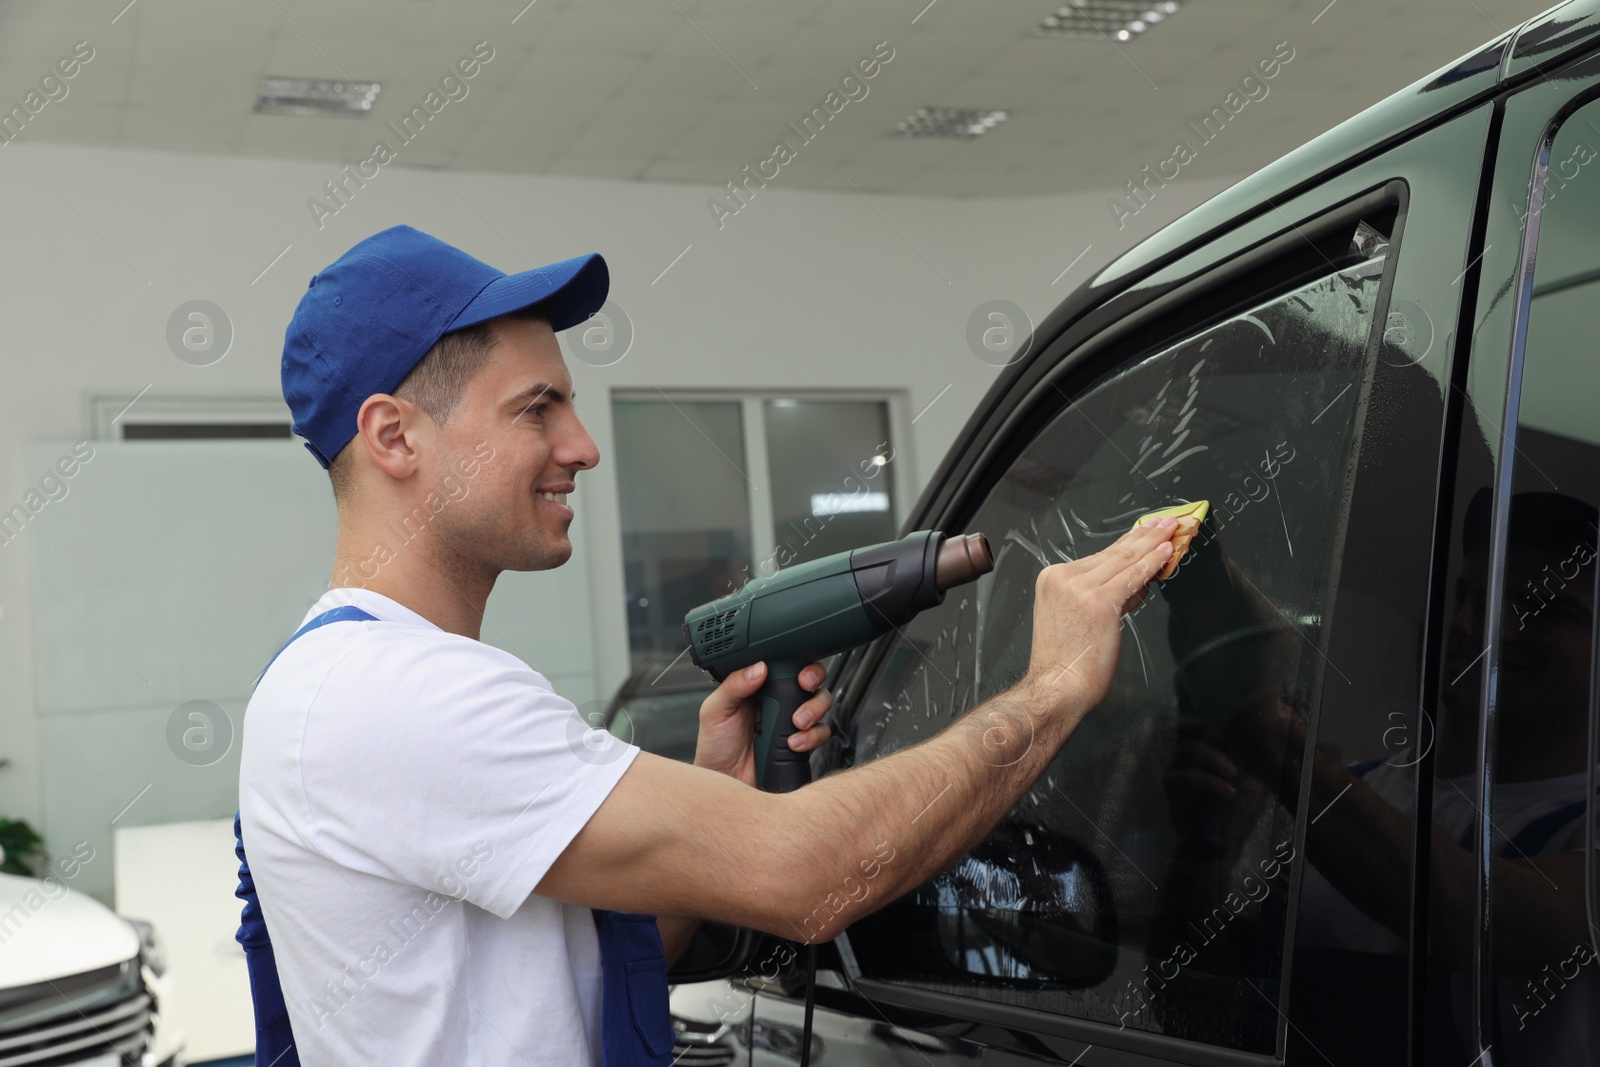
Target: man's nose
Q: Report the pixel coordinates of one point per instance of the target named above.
(576, 448)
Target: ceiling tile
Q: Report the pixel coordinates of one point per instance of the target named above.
(637, 127)
(635, 32)
(83, 123)
(569, 74)
(658, 76)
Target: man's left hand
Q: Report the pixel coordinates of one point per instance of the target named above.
(727, 722)
(726, 745)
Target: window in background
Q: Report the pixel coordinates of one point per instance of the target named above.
(684, 487)
(832, 480)
(718, 490)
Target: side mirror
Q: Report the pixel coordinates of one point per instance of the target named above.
(717, 950)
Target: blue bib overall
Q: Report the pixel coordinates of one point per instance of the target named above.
(635, 1024)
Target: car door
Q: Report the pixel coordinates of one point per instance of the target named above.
(1513, 974)
(1150, 898)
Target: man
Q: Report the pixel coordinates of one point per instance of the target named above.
(426, 840)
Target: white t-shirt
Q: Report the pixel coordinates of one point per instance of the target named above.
(401, 791)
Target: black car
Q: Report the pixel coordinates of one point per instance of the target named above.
(657, 707)
(1339, 807)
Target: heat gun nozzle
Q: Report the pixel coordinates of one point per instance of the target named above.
(961, 559)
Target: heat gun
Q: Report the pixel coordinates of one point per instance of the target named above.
(809, 611)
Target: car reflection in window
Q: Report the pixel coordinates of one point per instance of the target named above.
(1027, 908)
(1109, 892)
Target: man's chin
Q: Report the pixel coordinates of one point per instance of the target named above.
(550, 554)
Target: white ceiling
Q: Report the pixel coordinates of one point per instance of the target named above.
(692, 90)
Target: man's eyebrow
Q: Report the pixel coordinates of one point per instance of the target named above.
(539, 390)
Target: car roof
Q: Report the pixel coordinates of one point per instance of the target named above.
(1518, 55)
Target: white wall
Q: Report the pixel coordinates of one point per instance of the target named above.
(800, 290)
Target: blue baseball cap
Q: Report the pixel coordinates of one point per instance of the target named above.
(371, 315)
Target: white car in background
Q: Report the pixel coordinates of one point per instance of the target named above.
(80, 986)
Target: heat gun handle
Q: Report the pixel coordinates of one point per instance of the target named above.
(779, 768)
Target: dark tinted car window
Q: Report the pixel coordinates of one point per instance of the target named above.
(1545, 975)
(1132, 885)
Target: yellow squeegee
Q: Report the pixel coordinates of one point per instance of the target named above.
(1189, 517)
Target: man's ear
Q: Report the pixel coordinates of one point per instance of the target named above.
(390, 430)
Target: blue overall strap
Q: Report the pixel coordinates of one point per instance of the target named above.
(635, 1022)
(342, 613)
(1532, 838)
(274, 1040)
(1360, 769)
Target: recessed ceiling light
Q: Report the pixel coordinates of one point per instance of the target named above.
(1105, 20)
(963, 122)
(308, 96)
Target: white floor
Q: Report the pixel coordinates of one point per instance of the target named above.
(181, 877)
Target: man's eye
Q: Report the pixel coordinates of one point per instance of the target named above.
(534, 409)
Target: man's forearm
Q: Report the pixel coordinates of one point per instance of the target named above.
(1364, 848)
(871, 833)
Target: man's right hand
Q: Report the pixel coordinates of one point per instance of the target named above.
(1077, 617)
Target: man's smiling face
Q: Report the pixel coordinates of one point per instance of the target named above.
(517, 422)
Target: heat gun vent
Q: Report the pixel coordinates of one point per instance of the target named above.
(716, 631)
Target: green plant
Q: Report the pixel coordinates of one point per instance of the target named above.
(24, 848)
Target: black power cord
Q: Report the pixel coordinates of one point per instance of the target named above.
(811, 1001)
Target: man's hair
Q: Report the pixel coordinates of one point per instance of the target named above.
(436, 383)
